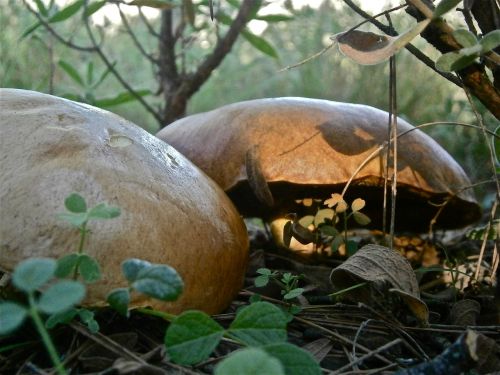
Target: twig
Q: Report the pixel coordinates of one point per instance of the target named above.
(300, 63)
(112, 69)
(150, 28)
(134, 38)
(49, 28)
(368, 355)
(340, 337)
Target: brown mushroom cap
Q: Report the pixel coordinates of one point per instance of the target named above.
(310, 148)
(171, 212)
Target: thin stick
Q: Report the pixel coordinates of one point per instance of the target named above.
(394, 135)
(368, 355)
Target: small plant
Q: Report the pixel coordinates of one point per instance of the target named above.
(286, 281)
(321, 228)
(30, 276)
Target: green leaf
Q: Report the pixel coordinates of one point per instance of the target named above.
(258, 324)
(103, 76)
(250, 361)
(294, 360)
(66, 12)
(260, 43)
(337, 241)
(294, 293)
(90, 73)
(328, 230)
(261, 281)
(361, 218)
(453, 61)
(445, 6)
(131, 268)
(93, 7)
(63, 317)
(88, 318)
(30, 30)
(121, 98)
(264, 271)
(119, 299)
(358, 204)
(464, 37)
(159, 281)
(61, 296)
(89, 268)
(41, 8)
(158, 4)
(191, 337)
(75, 202)
(12, 315)
(274, 18)
(32, 273)
(66, 265)
(490, 41)
(103, 211)
(77, 220)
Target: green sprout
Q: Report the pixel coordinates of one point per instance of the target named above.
(325, 222)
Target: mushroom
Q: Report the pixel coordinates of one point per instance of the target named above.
(268, 153)
(172, 213)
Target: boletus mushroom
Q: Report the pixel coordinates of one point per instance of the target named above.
(268, 153)
(171, 212)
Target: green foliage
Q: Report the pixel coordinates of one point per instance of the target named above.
(471, 51)
(158, 281)
(193, 336)
(250, 361)
(325, 222)
(286, 281)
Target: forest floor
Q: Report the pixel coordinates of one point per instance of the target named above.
(380, 335)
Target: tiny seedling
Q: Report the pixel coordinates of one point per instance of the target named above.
(286, 281)
(78, 263)
(30, 276)
(325, 222)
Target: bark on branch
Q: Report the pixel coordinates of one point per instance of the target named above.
(177, 89)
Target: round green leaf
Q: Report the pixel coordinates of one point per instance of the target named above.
(75, 203)
(12, 316)
(294, 293)
(307, 220)
(102, 211)
(131, 268)
(261, 281)
(445, 6)
(361, 218)
(191, 337)
(294, 360)
(465, 37)
(89, 269)
(119, 299)
(259, 324)
(66, 265)
(328, 230)
(61, 318)
(61, 296)
(32, 273)
(159, 281)
(490, 41)
(251, 361)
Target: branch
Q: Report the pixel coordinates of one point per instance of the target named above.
(150, 28)
(411, 48)
(134, 37)
(112, 69)
(439, 34)
(49, 28)
(224, 45)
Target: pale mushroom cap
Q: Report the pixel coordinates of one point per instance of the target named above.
(310, 148)
(171, 212)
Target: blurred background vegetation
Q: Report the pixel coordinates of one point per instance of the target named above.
(246, 73)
